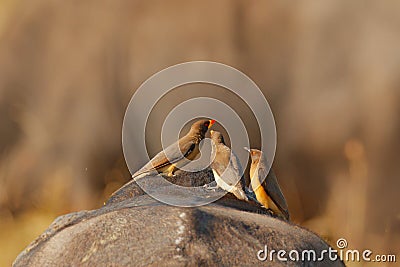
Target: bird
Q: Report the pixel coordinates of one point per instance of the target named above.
(178, 154)
(265, 185)
(226, 167)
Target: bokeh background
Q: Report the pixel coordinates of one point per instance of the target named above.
(329, 69)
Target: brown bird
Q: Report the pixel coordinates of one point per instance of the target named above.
(268, 193)
(228, 172)
(179, 154)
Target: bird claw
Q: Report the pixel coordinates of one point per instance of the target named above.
(269, 211)
(208, 187)
(253, 198)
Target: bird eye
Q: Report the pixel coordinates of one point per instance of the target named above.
(206, 124)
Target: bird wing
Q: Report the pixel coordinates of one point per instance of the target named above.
(235, 163)
(174, 155)
(271, 185)
(228, 166)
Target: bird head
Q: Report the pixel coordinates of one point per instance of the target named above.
(200, 127)
(217, 137)
(255, 154)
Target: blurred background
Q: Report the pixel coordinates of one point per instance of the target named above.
(329, 69)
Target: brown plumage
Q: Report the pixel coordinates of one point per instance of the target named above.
(179, 154)
(226, 167)
(267, 192)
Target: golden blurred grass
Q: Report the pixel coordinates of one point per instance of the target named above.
(16, 233)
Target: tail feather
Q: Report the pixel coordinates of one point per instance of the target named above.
(138, 176)
(286, 214)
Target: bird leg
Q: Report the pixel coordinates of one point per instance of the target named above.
(250, 194)
(170, 171)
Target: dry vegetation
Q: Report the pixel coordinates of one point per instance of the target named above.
(330, 71)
